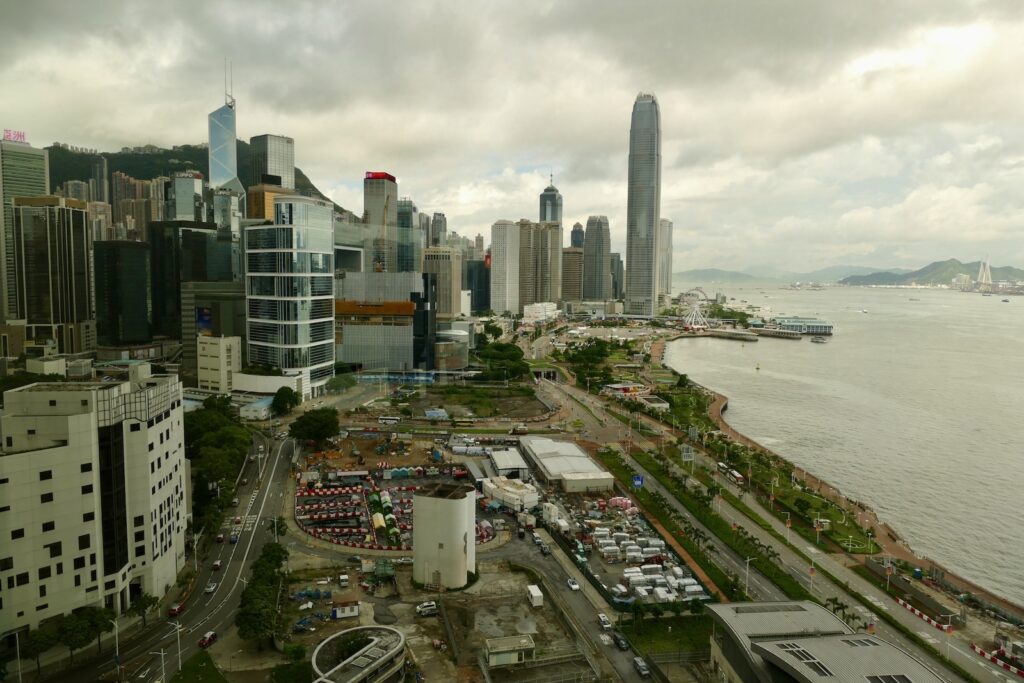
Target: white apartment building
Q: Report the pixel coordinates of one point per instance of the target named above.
(94, 495)
(219, 358)
(505, 267)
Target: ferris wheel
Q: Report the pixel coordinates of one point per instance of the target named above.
(694, 300)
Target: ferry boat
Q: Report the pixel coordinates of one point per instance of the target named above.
(817, 340)
(1006, 301)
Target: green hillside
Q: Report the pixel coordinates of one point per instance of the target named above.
(67, 165)
(937, 273)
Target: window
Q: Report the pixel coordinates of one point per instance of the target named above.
(21, 579)
(83, 541)
(135, 427)
(88, 516)
(46, 498)
(56, 549)
(140, 520)
(17, 533)
(6, 564)
(53, 403)
(80, 562)
(45, 474)
(44, 573)
(85, 402)
(60, 568)
(87, 488)
(40, 608)
(92, 574)
(109, 585)
(5, 508)
(140, 536)
(140, 550)
(86, 467)
(49, 526)
(5, 480)
(31, 432)
(78, 580)
(889, 678)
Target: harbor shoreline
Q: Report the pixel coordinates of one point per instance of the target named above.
(885, 536)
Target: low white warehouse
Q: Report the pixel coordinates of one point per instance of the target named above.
(567, 464)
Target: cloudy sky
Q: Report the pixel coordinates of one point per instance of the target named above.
(795, 135)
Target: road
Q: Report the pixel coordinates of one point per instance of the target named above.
(214, 611)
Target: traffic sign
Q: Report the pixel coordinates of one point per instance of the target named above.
(638, 481)
(687, 454)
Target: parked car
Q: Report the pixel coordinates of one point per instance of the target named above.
(426, 609)
(573, 584)
(606, 624)
(175, 609)
(211, 587)
(641, 667)
(217, 565)
(208, 639)
(355, 559)
(620, 641)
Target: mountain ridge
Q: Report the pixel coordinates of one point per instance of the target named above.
(935, 273)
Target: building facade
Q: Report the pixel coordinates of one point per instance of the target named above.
(124, 303)
(551, 205)
(572, 274)
(597, 277)
(577, 236)
(477, 280)
(444, 554)
(643, 207)
(380, 219)
(446, 263)
(438, 230)
(540, 262)
(183, 197)
(375, 335)
(618, 275)
(219, 359)
(99, 180)
(505, 267)
(216, 309)
(272, 158)
(223, 147)
(24, 172)
(665, 259)
(289, 291)
(410, 252)
(183, 251)
(96, 495)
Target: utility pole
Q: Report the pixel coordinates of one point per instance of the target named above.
(177, 635)
(163, 673)
(746, 580)
(17, 653)
(117, 649)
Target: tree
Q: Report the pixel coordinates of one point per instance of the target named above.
(97, 621)
(278, 526)
(284, 400)
(143, 604)
(341, 382)
(316, 425)
(36, 642)
(295, 651)
(73, 631)
(802, 506)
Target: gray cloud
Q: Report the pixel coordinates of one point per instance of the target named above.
(794, 134)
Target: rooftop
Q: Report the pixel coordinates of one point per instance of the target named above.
(446, 491)
(558, 458)
(508, 459)
(353, 654)
(509, 644)
(847, 658)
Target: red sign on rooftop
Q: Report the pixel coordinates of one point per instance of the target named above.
(380, 175)
(14, 135)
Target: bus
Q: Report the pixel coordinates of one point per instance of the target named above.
(736, 478)
(388, 420)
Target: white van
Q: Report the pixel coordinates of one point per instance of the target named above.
(343, 580)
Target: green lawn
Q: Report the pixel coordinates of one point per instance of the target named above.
(669, 634)
(199, 669)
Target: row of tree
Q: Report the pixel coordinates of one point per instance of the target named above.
(216, 444)
(256, 618)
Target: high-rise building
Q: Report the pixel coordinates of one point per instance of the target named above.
(597, 278)
(446, 263)
(551, 205)
(223, 148)
(577, 236)
(477, 280)
(290, 291)
(100, 220)
(184, 197)
(123, 187)
(209, 309)
(273, 160)
(478, 244)
(24, 172)
(124, 302)
(643, 207)
(505, 267)
(259, 200)
(618, 275)
(99, 181)
(540, 262)
(572, 274)
(219, 358)
(137, 214)
(407, 233)
(53, 272)
(438, 230)
(380, 217)
(95, 494)
(76, 189)
(665, 258)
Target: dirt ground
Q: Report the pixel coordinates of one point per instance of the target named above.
(464, 405)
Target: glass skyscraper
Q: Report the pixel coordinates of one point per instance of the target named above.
(290, 291)
(223, 148)
(24, 172)
(577, 236)
(597, 276)
(124, 303)
(665, 258)
(273, 160)
(643, 207)
(551, 205)
(408, 232)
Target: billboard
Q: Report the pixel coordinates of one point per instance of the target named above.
(204, 321)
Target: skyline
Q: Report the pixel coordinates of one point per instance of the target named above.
(880, 138)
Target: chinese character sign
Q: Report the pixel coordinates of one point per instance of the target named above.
(14, 135)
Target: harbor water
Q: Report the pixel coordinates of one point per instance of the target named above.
(914, 407)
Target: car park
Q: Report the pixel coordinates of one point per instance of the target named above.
(211, 587)
(573, 584)
(606, 624)
(208, 639)
(217, 565)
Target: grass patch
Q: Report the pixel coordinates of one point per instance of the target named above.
(669, 634)
(293, 672)
(199, 668)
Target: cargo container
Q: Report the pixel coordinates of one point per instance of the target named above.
(651, 569)
(534, 595)
(641, 592)
(692, 590)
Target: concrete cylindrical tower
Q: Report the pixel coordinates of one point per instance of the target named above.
(444, 535)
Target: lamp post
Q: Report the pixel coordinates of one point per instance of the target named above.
(746, 580)
(17, 653)
(177, 635)
(117, 648)
(163, 673)
(949, 627)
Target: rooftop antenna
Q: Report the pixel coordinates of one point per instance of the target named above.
(229, 83)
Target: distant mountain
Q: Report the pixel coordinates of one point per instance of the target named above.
(937, 273)
(713, 275)
(67, 165)
(837, 273)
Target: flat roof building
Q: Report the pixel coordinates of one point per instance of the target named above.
(566, 464)
(509, 463)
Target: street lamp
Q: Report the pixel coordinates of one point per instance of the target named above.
(117, 649)
(746, 580)
(163, 673)
(177, 635)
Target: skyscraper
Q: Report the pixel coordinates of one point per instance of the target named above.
(272, 158)
(505, 267)
(53, 272)
(551, 204)
(477, 280)
(577, 236)
(124, 303)
(76, 189)
(643, 207)
(618, 275)
(438, 230)
(572, 274)
(408, 231)
(665, 258)
(99, 182)
(540, 263)
(290, 291)
(223, 150)
(446, 263)
(184, 197)
(597, 280)
(24, 172)
(380, 216)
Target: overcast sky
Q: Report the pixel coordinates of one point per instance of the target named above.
(795, 135)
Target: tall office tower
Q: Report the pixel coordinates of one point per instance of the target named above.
(184, 197)
(223, 148)
(96, 469)
(572, 274)
(380, 216)
(427, 230)
(99, 181)
(182, 251)
(478, 244)
(576, 237)
(505, 267)
(290, 291)
(350, 243)
(208, 309)
(53, 272)
(123, 187)
(124, 302)
(24, 172)
(76, 189)
(446, 263)
(408, 229)
(273, 160)
(259, 200)
(100, 220)
(478, 281)
(618, 275)
(643, 207)
(597, 278)
(140, 213)
(540, 262)
(551, 204)
(438, 230)
(665, 258)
